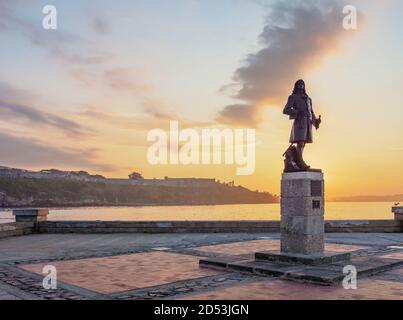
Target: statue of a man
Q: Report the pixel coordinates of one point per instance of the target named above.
(299, 108)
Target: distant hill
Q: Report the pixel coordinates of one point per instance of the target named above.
(391, 198)
(25, 192)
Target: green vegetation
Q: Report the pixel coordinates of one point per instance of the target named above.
(20, 192)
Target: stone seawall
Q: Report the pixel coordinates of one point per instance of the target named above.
(15, 229)
(93, 227)
(374, 226)
(158, 226)
(365, 226)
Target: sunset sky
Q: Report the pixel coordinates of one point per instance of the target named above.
(85, 95)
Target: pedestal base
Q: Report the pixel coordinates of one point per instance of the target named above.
(306, 269)
(313, 259)
(302, 213)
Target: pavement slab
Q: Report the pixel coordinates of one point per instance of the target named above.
(126, 272)
(277, 289)
(166, 266)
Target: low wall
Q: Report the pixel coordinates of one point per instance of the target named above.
(381, 226)
(15, 229)
(331, 226)
(157, 226)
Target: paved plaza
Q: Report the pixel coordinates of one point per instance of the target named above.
(166, 266)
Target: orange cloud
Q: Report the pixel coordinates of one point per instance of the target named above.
(295, 39)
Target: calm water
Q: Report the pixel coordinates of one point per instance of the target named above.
(334, 211)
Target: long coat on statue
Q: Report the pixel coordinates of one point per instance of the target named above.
(299, 108)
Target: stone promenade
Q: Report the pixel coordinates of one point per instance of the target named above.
(166, 266)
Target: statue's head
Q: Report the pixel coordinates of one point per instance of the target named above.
(299, 87)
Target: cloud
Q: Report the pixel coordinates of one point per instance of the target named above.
(152, 118)
(11, 93)
(14, 107)
(155, 108)
(110, 118)
(242, 114)
(122, 79)
(33, 116)
(19, 151)
(81, 57)
(297, 35)
(84, 59)
(61, 44)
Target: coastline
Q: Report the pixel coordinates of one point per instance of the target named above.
(257, 211)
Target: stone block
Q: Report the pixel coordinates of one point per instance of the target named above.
(301, 225)
(307, 175)
(302, 213)
(30, 215)
(302, 206)
(302, 244)
(312, 259)
(398, 211)
(302, 188)
(326, 269)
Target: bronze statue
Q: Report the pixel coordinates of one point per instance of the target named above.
(299, 108)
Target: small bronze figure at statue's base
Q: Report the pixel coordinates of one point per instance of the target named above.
(291, 161)
(299, 108)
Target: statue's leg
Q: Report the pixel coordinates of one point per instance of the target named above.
(290, 162)
(300, 151)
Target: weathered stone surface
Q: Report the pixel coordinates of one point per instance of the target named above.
(398, 211)
(15, 229)
(363, 226)
(302, 175)
(300, 225)
(218, 263)
(302, 244)
(333, 273)
(301, 206)
(313, 259)
(157, 227)
(302, 188)
(325, 270)
(46, 249)
(331, 226)
(262, 268)
(302, 213)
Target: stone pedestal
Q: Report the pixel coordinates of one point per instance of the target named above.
(30, 215)
(398, 211)
(302, 213)
(302, 256)
(302, 226)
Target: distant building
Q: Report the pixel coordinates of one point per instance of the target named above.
(49, 174)
(85, 176)
(167, 182)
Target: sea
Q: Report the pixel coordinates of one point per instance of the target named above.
(333, 211)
